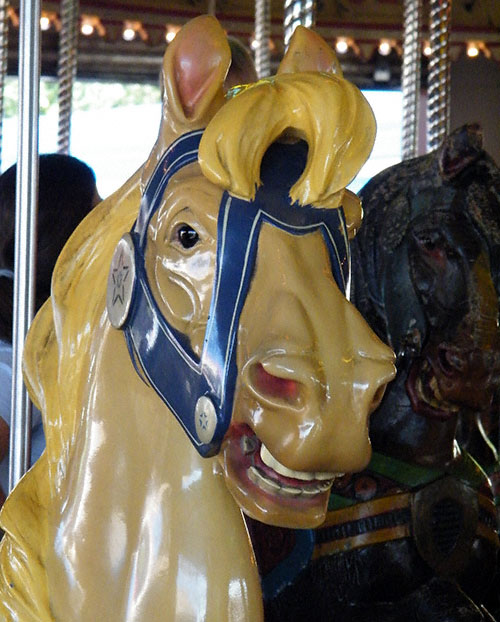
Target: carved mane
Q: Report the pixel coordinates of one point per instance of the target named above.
(328, 112)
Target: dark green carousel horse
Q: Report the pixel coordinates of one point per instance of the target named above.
(414, 537)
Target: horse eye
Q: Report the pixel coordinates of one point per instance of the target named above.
(428, 244)
(187, 236)
(428, 240)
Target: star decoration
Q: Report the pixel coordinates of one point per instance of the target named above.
(120, 274)
(203, 420)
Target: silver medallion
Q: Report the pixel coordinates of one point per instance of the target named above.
(121, 282)
(205, 419)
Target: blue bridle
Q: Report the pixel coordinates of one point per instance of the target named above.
(200, 391)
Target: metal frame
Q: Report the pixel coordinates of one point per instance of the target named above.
(262, 36)
(4, 37)
(410, 78)
(66, 71)
(26, 209)
(298, 13)
(438, 91)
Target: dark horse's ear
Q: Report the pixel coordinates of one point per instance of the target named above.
(460, 149)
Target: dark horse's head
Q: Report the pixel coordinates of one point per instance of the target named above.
(427, 278)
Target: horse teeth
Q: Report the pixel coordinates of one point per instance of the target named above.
(420, 389)
(265, 483)
(435, 388)
(291, 491)
(327, 477)
(260, 480)
(324, 485)
(309, 491)
(269, 460)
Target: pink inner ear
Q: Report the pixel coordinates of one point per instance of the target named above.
(196, 64)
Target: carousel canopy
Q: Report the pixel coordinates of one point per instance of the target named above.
(125, 39)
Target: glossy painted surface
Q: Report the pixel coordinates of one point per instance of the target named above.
(131, 524)
(204, 406)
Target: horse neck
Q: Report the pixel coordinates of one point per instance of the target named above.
(143, 516)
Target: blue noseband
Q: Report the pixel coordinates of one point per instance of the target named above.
(200, 391)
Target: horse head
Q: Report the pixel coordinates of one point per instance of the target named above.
(427, 279)
(240, 262)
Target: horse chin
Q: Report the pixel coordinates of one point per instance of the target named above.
(264, 494)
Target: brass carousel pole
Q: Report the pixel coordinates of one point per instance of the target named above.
(25, 240)
(298, 13)
(438, 92)
(4, 36)
(410, 79)
(66, 73)
(262, 36)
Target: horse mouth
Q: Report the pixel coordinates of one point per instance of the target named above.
(274, 478)
(424, 393)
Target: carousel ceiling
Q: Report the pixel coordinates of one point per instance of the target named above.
(104, 52)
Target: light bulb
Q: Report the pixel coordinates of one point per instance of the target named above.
(44, 22)
(86, 29)
(384, 49)
(472, 50)
(341, 46)
(128, 34)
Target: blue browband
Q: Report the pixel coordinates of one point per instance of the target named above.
(200, 391)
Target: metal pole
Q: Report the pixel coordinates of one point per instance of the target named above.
(298, 13)
(26, 207)
(66, 72)
(262, 36)
(4, 37)
(438, 92)
(410, 79)
(212, 7)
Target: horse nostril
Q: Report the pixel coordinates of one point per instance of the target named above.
(450, 362)
(377, 398)
(273, 386)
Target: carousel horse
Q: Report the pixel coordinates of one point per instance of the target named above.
(218, 367)
(415, 535)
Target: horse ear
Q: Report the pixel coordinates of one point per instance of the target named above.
(460, 149)
(353, 212)
(308, 51)
(194, 69)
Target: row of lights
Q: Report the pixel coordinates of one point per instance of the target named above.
(385, 47)
(90, 24)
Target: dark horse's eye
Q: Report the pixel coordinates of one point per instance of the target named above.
(187, 236)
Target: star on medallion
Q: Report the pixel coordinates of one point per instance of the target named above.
(119, 276)
(203, 420)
